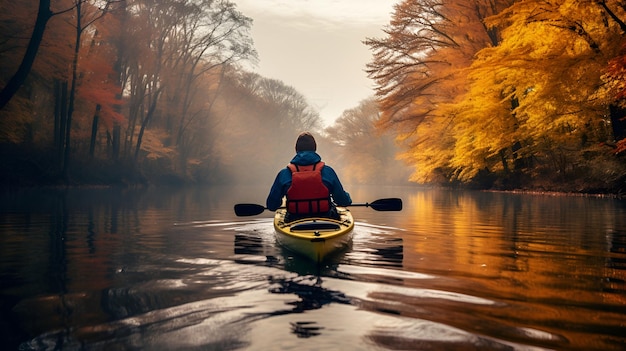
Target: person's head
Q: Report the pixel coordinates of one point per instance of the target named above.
(305, 142)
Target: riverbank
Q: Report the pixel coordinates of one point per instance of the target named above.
(30, 171)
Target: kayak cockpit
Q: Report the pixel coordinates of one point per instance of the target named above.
(315, 226)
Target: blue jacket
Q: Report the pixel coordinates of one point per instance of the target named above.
(329, 178)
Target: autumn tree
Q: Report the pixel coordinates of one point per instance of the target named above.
(420, 69)
(10, 88)
(16, 48)
(520, 89)
(70, 25)
(538, 96)
(420, 62)
(86, 13)
(173, 72)
(616, 81)
(616, 86)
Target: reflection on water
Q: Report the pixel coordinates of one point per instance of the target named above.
(312, 296)
(168, 269)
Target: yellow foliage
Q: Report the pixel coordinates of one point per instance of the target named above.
(538, 88)
(430, 149)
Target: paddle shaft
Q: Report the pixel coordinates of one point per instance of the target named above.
(390, 204)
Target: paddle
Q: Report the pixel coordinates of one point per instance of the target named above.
(249, 209)
(390, 204)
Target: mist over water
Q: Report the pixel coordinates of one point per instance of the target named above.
(166, 269)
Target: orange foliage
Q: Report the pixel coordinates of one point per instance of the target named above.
(422, 61)
(617, 73)
(498, 88)
(98, 83)
(621, 146)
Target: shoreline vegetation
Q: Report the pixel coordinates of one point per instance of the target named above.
(38, 172)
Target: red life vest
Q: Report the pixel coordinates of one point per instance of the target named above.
(307, 193)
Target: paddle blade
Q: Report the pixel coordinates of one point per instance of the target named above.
(391, 204)
(248, 209)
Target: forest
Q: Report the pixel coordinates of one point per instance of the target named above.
(507, 94)
(493, 95)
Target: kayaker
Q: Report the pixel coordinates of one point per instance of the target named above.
(310, 186)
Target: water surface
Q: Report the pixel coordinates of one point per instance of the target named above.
(165, 269)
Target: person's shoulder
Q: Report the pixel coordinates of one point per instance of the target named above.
(328, 168)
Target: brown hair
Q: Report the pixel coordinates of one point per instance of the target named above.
(305, 142)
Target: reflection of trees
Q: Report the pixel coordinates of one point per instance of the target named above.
(57, 272)
(550, 254)
(61, 251)
(524, 237)
(69, 255)
(57, 266)
(616, 268)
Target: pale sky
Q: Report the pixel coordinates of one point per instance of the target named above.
(316, 47)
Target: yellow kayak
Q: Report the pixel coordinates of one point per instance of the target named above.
(315, 238)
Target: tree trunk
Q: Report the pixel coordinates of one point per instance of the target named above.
(618, 121)
(115, 143)
(72, 93)
(59, 134)
(43, 15)
(145, 121)
(94, 131)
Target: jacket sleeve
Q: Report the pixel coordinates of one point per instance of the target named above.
(340, 196)
(278, 190)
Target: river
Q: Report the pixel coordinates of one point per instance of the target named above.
(175, 269)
